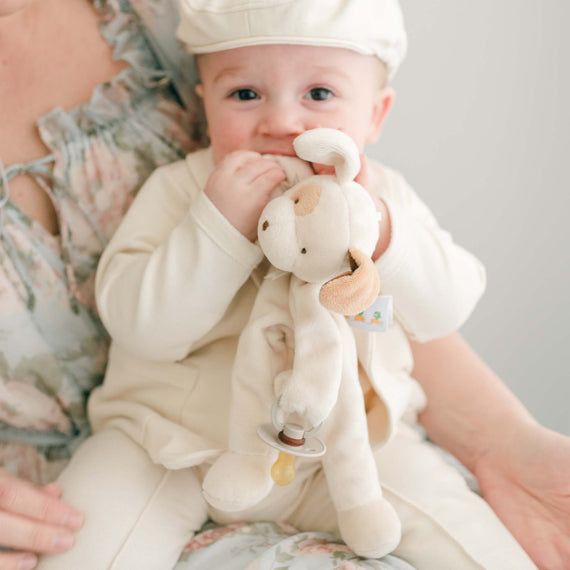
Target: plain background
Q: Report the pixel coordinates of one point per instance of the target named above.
(481, 129)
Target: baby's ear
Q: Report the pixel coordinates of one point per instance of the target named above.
(353, 292)
(382, 105)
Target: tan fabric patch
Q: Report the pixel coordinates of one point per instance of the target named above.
(306, 199)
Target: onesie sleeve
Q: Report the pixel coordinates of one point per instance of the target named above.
(171, 269)
(434, 282)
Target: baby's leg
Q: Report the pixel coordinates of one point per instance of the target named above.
(434, 500)
(444, 524)
(138, 515)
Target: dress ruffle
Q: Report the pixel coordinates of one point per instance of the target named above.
(118, 99)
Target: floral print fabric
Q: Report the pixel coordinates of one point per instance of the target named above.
(53, 348)
(275, 546)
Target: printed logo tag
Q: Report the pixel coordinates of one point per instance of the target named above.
(377, 318)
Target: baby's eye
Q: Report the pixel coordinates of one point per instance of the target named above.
(244, 95)
(319, 94)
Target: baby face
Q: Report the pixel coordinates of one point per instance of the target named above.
(9, 7)
(261, 97)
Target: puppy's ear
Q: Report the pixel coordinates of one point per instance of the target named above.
(352, 292)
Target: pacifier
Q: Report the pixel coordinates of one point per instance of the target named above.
(291, 440)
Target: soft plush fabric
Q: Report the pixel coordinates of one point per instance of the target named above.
(297, 352)
(168, 376)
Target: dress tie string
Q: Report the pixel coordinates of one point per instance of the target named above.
(40, 171)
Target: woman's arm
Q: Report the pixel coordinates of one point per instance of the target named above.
(434, 281)
(523, 469)
(467, 403)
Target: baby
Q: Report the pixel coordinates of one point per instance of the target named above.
(177, 282)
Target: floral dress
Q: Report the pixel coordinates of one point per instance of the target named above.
(53, 348)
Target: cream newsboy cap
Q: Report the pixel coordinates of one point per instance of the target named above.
(373, 27)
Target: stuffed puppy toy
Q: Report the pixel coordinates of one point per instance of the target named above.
(298, 350)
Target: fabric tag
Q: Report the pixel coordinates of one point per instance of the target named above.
(377, 318)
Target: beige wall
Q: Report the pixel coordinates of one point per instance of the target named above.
(481, 128)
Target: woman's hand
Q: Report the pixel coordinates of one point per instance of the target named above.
(526, 480)
(240, 186)
(33, 520)
(523, 469)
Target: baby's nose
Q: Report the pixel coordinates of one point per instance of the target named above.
(281, 120)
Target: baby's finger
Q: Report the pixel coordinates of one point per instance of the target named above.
(22, 498)
(267, 181)
(237, 159)
(273, 170)
(255, 169)
(322, 168)
(32, 536)
(362, 177)
(17, 561)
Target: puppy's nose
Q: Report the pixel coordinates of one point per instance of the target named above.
(265, 225)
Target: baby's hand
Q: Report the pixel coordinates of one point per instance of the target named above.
(240, 186)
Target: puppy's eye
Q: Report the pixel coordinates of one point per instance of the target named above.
(304, 250)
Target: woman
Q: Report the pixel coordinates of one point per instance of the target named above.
(86, 117)
(68, 177)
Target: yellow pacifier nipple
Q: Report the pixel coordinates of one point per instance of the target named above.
(283, 470)
(290, 440)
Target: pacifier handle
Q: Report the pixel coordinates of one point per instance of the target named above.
(280, 426)
(289, 440)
